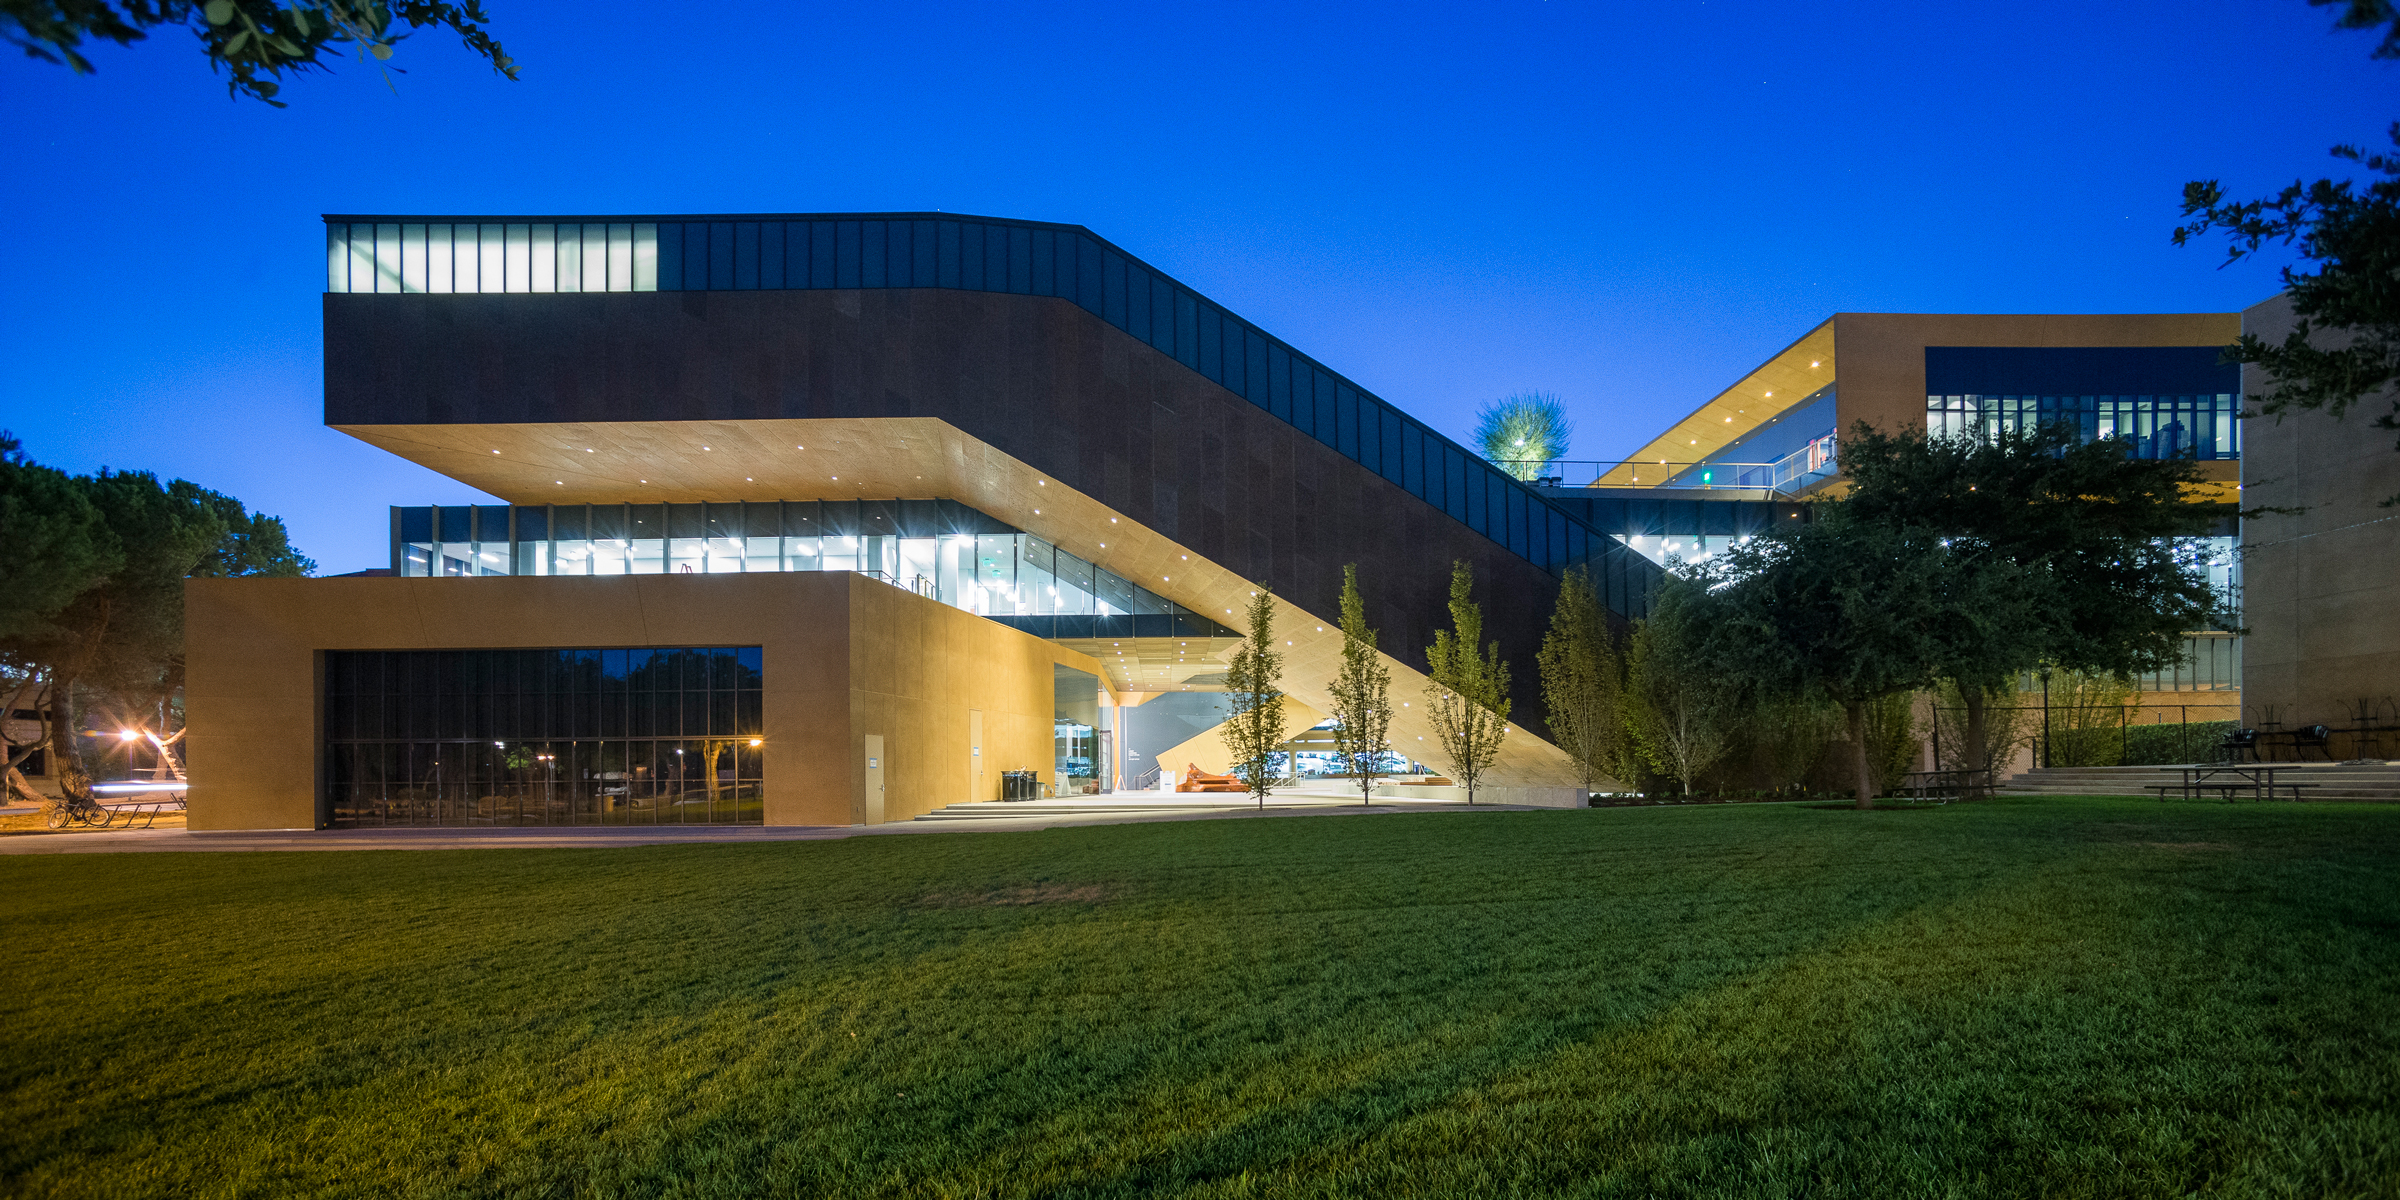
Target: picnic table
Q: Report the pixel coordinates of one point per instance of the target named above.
(2259, 779)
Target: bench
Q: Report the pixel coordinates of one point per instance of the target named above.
(1196, 780)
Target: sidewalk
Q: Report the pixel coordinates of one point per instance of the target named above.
(1120, 809)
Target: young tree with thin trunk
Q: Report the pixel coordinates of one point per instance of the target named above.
(1254, 733)
(1468, 697)
(1677, 703)
(1581, 679)
(1362, 695)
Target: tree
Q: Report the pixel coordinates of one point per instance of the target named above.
(257, 42)
(1468, 696)
(1362, 695)
(2095, 542)
(1254, 733)
(119, 635)
(1522, 432)
(56, 547)
(1843, 609)
(2352, 234)
(1677, 703)
(1582, 680)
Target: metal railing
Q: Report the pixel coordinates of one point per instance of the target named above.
(1791, 473)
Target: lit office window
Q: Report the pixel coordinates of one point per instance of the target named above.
(924, 546)
(2203, 426)
(444, 257)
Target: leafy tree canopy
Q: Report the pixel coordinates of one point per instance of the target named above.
(2097, 527)
(258, 43)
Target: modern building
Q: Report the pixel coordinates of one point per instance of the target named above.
(1756, 452)
(823, 519)
(842, 518)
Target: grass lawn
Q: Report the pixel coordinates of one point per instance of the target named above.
(2053, 997)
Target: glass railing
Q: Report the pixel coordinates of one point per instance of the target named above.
(1792, 473)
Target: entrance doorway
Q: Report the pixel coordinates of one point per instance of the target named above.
(874, 753)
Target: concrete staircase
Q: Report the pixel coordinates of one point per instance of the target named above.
(2370, 781)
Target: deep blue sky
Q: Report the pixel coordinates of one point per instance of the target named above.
(1627, 204)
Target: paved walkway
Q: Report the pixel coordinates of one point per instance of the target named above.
(1054, 814)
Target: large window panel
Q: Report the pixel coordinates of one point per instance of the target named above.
(1279, 382)
(745, 256)
(924, 244)
(1328, 399)
(1020, 260)
(971, 257)
(845, 254)
(1254, 367)
(1045, 263)
(570, 259)
(1212, 344)
(1187, 327)
(622, 276)
(412, 258)
(1091, 287)
(1162, 316)
(874, 254)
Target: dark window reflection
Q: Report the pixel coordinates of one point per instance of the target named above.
(544, 737)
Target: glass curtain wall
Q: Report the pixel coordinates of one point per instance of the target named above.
(2203, 426)
(936, 548)
(544, 737)
(443, 257)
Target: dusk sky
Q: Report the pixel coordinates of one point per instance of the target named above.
(1629, 205)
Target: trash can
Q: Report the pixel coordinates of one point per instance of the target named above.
(1020, 785)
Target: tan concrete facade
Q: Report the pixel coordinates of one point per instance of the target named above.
(2319, 588)
(844, 657)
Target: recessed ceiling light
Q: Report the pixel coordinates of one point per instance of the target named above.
(586, 450)
(708, 447)
(495, 452)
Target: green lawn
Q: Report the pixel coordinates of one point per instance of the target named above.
(2018, 997)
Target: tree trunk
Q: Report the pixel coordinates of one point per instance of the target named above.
(1978, 755)
(1857, 711)
(23, 790)
(66, 756)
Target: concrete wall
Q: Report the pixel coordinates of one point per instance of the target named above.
(2319, 588)
(843, 656)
